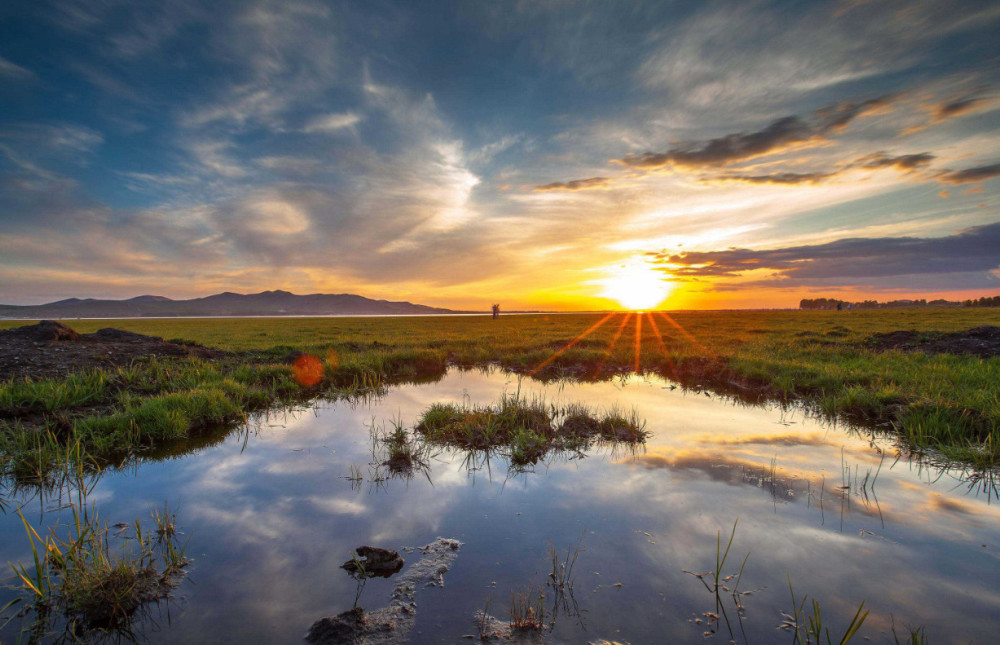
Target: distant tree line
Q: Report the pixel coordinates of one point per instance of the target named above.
(833, 303)
(983, 302)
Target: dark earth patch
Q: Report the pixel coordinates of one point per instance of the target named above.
(52, 349)
(983, 342)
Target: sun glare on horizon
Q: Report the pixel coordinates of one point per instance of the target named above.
(636, 285)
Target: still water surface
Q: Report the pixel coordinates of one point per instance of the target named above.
(271, 517)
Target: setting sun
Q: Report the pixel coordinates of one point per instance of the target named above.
(636, 285)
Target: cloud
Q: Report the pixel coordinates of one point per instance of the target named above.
(214, 155)
(64, 138)
(777, 136)
(956, 108)
(744, 55)
(875, 161)
(576, 184)
(970, 175)
(962, 104)
(780, 135)
(781, 178)
(279, 57)
(836, 117)
(333, 122)
(973, 251)
(901, 162)
(13, 70)
(289, 164)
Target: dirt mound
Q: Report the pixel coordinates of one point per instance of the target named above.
(43, 331)
(52, 349)
(983, 342)
(110, 334)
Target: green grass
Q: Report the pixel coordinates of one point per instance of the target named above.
(526, 430)
(945, 402)
(399, 450)
(80, 581)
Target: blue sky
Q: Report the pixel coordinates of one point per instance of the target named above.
(539, 153)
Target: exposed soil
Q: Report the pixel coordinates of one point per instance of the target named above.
(374, 563)
(983, 342)
(390, 625)
(52, 349)
(494, 630)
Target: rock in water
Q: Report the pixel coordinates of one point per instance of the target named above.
(347, 627)
(374, 562)
(393, 624)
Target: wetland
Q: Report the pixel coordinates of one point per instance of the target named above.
(629, 508)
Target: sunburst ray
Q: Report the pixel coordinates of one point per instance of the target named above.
(576, 340)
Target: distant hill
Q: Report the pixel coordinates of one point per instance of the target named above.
(266, 303)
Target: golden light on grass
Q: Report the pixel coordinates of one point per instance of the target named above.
(636, 285)
(576, 340)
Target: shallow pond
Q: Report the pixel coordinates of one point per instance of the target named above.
(272, 515)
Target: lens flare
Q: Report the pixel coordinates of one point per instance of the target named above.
(308, 370)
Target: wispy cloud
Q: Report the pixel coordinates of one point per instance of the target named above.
(12, 70)
(576, 184)
(333, 122)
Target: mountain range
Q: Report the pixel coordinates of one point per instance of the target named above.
(266, 303)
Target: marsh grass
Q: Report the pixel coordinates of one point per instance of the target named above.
(526, 430)
(912, 635)
(397, 449)
(806, 623)
(527, 608)
(482, 620)
(719, 588)
(561, 579)
(80, 581)
(808, 628)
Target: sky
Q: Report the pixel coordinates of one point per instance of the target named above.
(543, 155)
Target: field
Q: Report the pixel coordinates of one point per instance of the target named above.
(829, 360)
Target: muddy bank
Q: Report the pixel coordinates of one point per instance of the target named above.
(390, 625)
(983, 342)
(493, 630)
(52, 349)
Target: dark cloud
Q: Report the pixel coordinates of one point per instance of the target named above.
(970, 175)
(838, 116)
(781, 178)
(876, 161)
(576, 184)
(956, 108)
(975, 250)
(732, 148)
(780, 135)
(901, 162)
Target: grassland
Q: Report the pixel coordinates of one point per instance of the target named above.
(826, 359)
